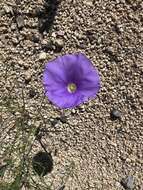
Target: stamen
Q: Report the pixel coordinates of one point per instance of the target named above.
(71, 87)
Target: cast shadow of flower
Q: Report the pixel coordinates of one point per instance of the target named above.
(47, 15)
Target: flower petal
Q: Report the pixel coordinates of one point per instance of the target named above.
(55, 71)
(85, 64)
(63, 99)
(90, 85)
(72, 68)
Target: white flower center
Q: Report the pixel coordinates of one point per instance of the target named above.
(71, 87)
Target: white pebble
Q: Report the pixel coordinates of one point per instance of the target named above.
(42, 56)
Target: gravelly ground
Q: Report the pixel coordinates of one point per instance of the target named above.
(110, 33)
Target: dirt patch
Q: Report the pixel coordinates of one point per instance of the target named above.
(90, 149)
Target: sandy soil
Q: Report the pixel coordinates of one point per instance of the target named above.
(102, 151)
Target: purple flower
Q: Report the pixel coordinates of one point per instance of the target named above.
(70, 80)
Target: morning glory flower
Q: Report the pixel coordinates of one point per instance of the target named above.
(70, 80)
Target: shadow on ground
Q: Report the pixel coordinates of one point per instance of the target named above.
(46, 16)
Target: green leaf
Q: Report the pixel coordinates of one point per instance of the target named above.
(4, 186)
(3, 169)
(16, 184)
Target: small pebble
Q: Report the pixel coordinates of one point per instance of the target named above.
(118, 28)
(2, 12)
(27, 77)
(128, 182)
(44, 42)
(62, 187)
(35, 39)
(18, 2)
(59, 43)
(115, 114)
(60, 33)
(88, 3)
(109, 50)
(42, 56)
(8, 9)
(15, 41)
(48, 47)
(63, 119)
(13, 26)
(54, 122)
(20, 22)
(32, 93)
(53, 35)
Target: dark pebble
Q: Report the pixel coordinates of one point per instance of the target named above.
(62, 187)
(128, 182)
(32, 93)
(120, 130)
(48, 47)
(63, 119)
(89, 33)
(20, 21)
(35, 39)
(18, 2)
(109, 50)
(115, 114)
(27, 80)
(54, 121)
(90, 36)
(26, 116)
(117, 29)
(42, 163)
